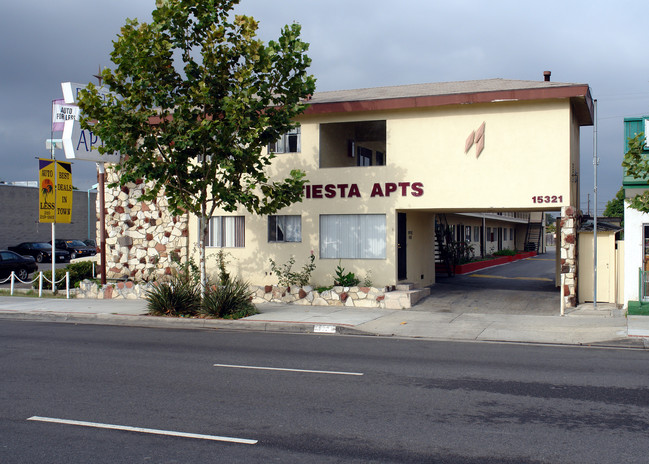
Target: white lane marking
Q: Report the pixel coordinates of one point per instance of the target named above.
(287, 370)
(127, 428)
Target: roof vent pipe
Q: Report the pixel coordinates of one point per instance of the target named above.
(546, 75)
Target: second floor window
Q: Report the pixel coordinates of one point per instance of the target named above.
(288, 143)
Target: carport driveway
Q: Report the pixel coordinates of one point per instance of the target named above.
(521, 287)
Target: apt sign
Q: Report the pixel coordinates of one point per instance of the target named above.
(81, 143)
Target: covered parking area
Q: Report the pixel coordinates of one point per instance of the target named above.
(525, 287)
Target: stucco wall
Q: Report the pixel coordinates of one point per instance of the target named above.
(19, 213)
(528, 151)
(633, 251)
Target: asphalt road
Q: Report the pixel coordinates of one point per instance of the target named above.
(337, 399)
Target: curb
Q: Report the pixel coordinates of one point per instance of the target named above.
(633, 341)
(177, 323)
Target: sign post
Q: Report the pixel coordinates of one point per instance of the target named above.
(83, 144)
(54, 198)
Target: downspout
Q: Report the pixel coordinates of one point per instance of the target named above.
(595, 163)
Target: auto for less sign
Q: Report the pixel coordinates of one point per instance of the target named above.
(54, 191)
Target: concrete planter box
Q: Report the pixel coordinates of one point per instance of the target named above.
(477, 265)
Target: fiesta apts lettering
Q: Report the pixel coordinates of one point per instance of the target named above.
(415, 189)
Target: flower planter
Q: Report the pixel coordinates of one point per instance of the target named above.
(477, 265)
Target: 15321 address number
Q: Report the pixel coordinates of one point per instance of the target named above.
(548, 199)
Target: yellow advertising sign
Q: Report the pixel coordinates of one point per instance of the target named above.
(46, 191)
(54, 191)
(63, 192)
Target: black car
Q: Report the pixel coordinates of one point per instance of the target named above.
(76, 248)
(40, 251)
(21, 265)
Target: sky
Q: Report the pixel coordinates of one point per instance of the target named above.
(353, 44)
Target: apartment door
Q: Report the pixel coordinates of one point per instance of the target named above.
(402, 273)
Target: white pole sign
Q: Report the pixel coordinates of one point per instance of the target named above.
(80, 143)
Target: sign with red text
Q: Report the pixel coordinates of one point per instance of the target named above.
(381, 190)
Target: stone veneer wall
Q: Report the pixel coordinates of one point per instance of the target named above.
(141, 237)
(568, 243)
(359, 297)
(363, 297)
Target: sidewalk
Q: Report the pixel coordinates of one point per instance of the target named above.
(582, 326)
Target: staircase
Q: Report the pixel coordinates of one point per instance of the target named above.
(533, 236)
(405, 296)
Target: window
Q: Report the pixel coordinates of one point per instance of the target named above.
(468, 233)
(476, 234)
(355, 143)
(354, 236)
(287, 143)
(227, 232)
(511, 233)
(284, 228)
(363, 156)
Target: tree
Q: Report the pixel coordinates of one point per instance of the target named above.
(615, 207)
(194, 98)
(550, 222)
(637, 166)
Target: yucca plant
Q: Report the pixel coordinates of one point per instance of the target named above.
(232, 300)
(181, 296)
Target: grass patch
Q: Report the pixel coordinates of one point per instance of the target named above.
(20, 292)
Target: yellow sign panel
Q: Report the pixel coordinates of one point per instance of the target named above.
(63, 192)
(54, 191)
(46, 191)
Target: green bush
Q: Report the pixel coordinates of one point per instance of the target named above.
(345, 279)
(505, 252)
(78, 272)
(231, 300)
(179, 297)
(286, 277)
(47, 276)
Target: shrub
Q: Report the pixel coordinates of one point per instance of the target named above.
(231, 300)
(505, 252)
(181, 296)
(224, 276)
(78, 272)
(286, 277)
(345, 279)
(47, 276)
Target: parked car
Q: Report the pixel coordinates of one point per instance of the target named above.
(76, 248)
(21, 265)
(40, 251)
(92, 243)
